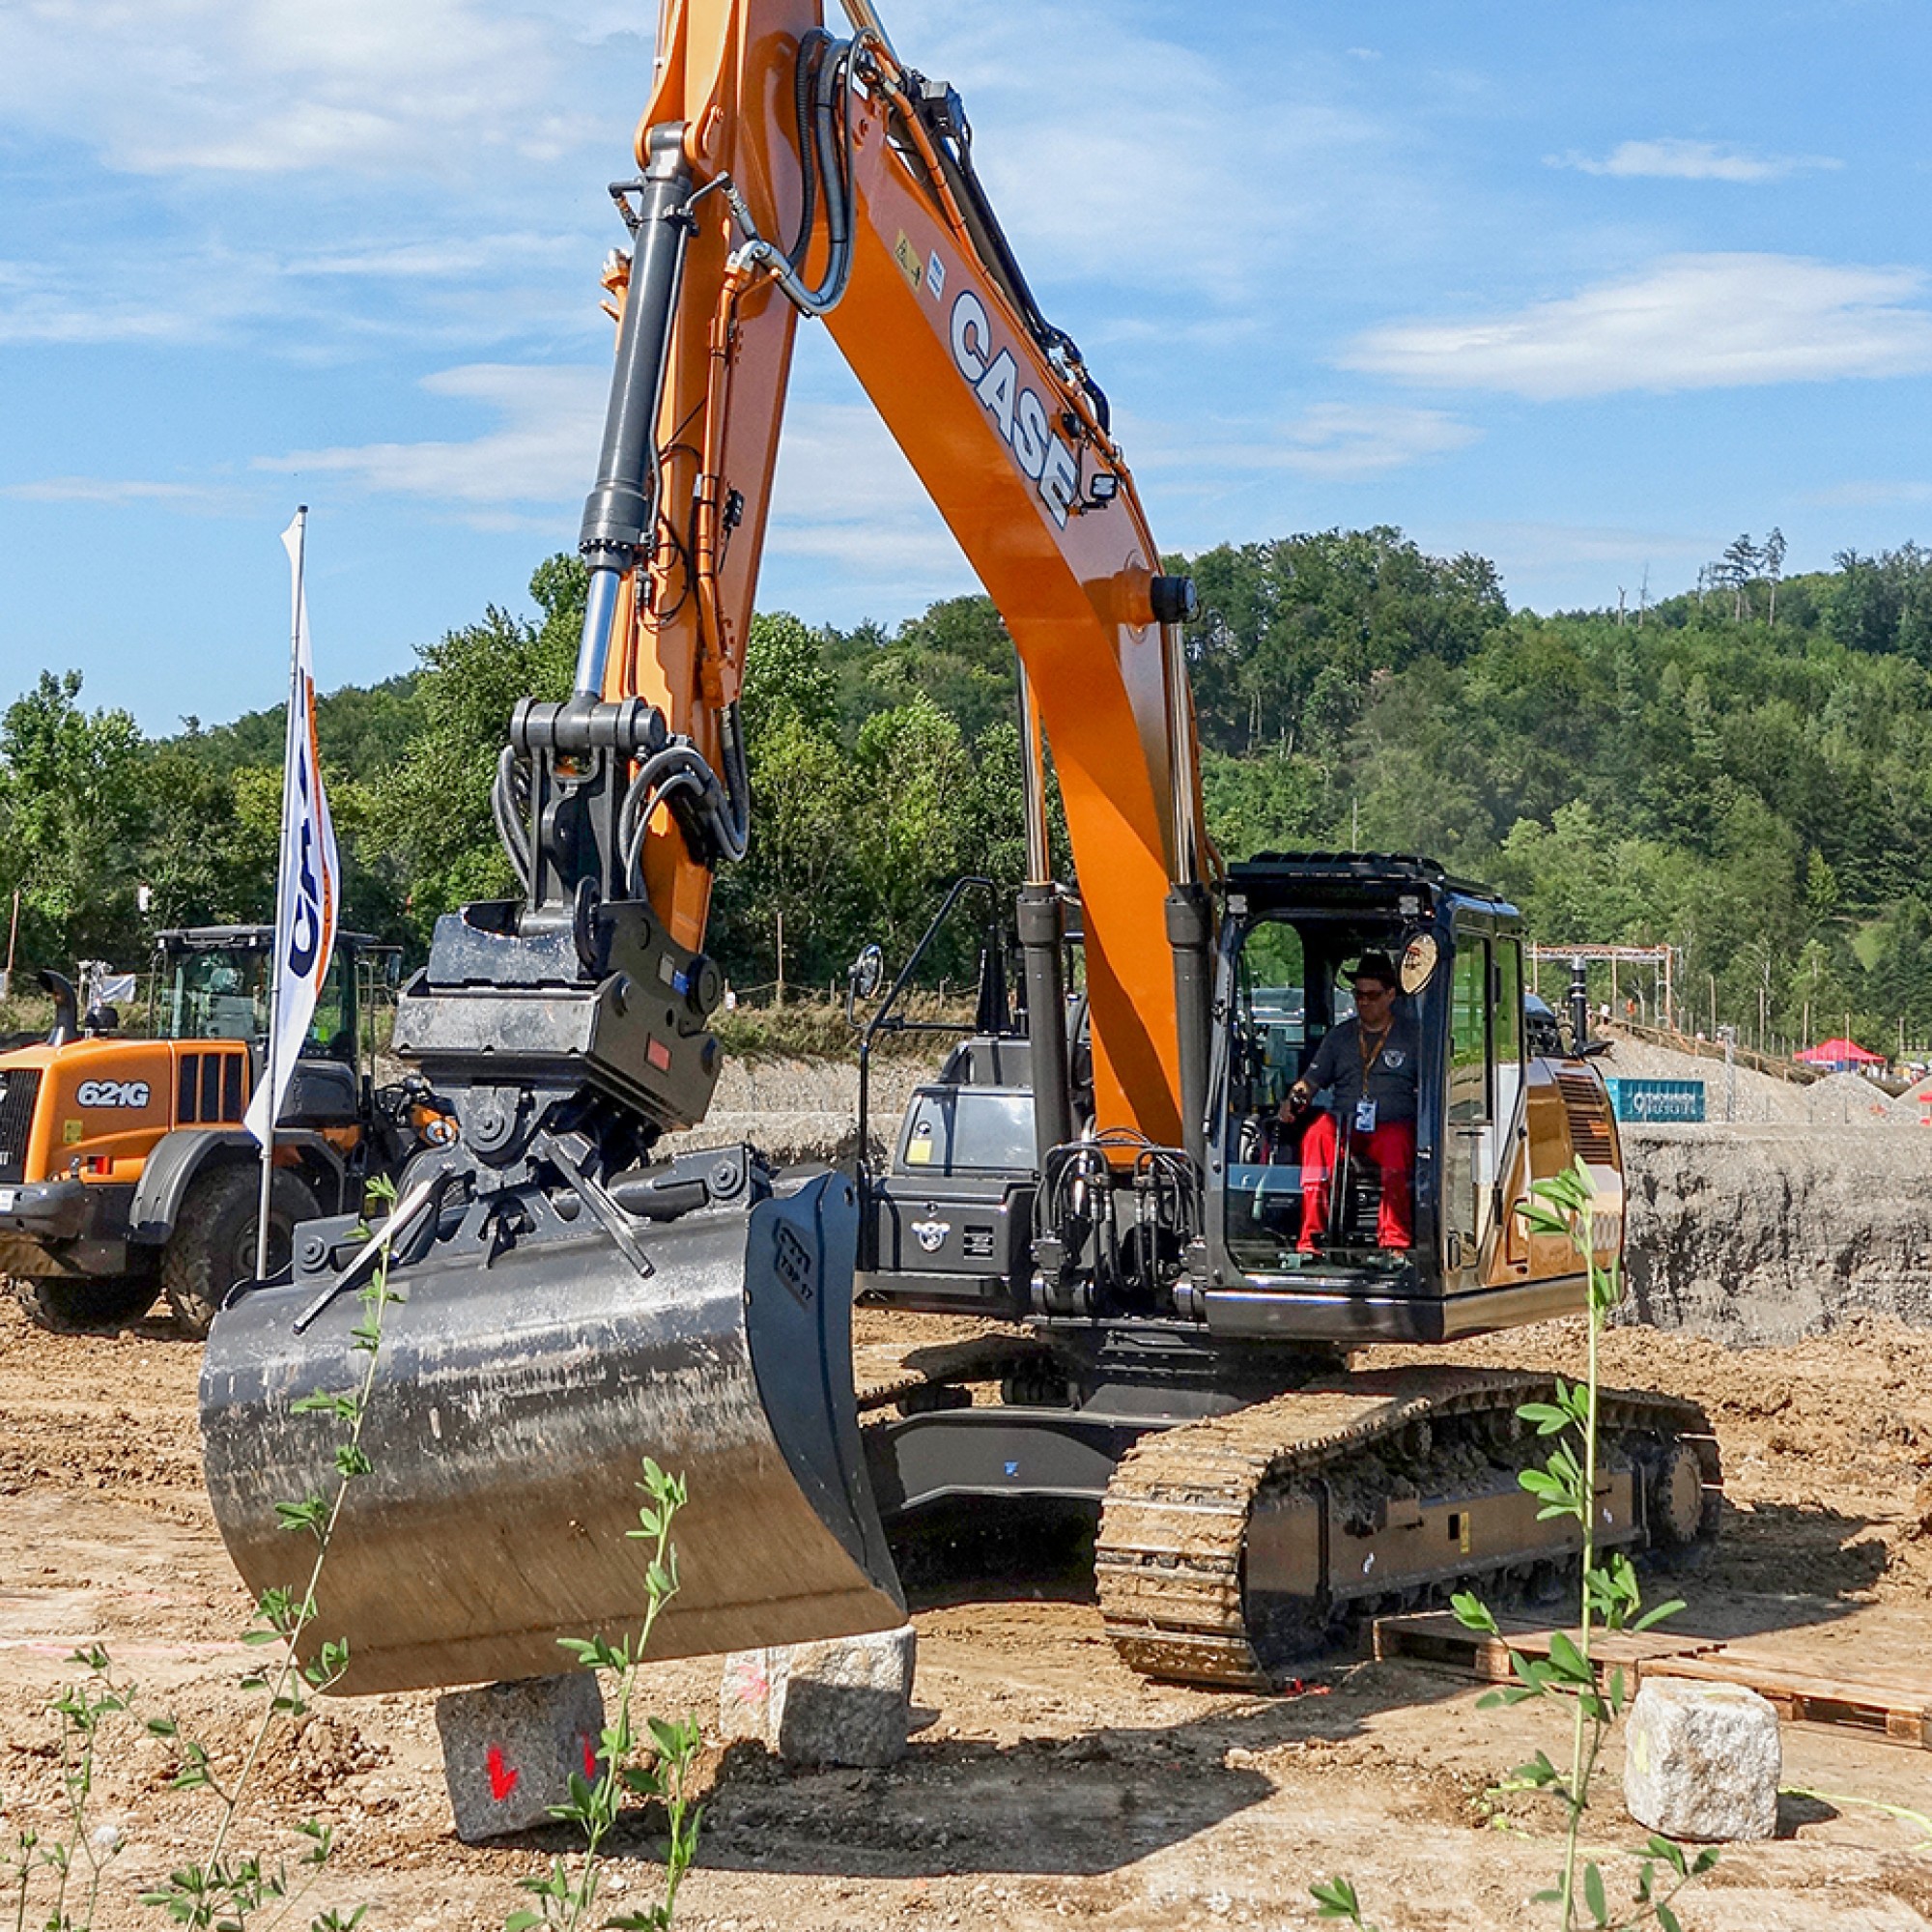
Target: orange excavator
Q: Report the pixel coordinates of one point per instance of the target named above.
(1102, 1173)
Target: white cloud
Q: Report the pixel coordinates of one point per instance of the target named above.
(1160, 166)
(1672, 160)
(1347, 440)
(261, 87)
(844, 493)
(111, 490)
(1339, 442)
(444, 259)
(1537, 546)
(1859, 495)
(1687, 321)
(543, 451)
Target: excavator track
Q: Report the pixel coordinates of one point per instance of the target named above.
(1229, 1545)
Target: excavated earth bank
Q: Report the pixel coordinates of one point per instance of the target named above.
(1760, 1234)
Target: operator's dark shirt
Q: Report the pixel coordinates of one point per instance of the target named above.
(1391, 1083)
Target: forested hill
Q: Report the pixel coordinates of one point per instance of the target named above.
(1745, 771)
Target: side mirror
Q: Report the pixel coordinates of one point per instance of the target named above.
(864, 977)
(1417, 965)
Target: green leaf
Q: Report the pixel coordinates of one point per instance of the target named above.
(1570, 1663)
(1704, 1861)
(1658, 1615)
(1667, 1919)
(1336, 1898)
(1592, 1895)
(310, 1515)
(1472, 1613)
(1667, 1849)
(1546, 1417)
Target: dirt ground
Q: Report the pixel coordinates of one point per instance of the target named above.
(1047, 1786)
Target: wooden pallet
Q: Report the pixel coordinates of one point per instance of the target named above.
(1892, 1708)
(1435, 1636)
(1893, 1705)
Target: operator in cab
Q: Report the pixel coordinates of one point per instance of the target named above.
(1369, 1064)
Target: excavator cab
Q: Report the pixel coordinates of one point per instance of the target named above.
(1293, 1255)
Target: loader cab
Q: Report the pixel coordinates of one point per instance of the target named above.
(1291, 928)
(211, 982)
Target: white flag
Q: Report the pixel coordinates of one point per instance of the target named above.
(308, 882)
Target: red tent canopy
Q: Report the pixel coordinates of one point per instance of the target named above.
(1839, 1053)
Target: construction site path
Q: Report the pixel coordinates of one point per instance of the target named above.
(1047, 1785)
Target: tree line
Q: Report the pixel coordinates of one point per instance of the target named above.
(1742, 771)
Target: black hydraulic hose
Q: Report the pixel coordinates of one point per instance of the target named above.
(805, 76)
(507, 803)
(832, 136)
(996, 252)
(714, 813)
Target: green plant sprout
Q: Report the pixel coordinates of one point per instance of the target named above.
(76, 1853)
(1609, 1598)
(563, 1897)
(219, 1893)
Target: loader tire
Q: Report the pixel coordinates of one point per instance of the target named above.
(213, 1246)
(64, 1306)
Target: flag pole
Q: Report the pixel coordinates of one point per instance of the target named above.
(284, 901)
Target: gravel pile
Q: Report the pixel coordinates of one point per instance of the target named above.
(1741, 1096)
(805, 1110)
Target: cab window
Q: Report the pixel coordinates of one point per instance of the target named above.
(1508, 956)
(1273, 1004)
(216, 996)
(1470, 1032)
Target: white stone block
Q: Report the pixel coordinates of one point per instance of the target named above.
(847, 1700)
(508, 1750)
(751, 1698)
(1702, 1761)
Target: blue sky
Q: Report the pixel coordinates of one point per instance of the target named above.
(1589, 289)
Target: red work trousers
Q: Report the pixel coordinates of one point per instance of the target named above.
(1391, 1147)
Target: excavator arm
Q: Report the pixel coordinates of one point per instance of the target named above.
(787, 172)
(569, 1301)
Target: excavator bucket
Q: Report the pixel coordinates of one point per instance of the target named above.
(514, 1395)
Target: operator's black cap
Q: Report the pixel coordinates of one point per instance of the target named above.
(1376, 966)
